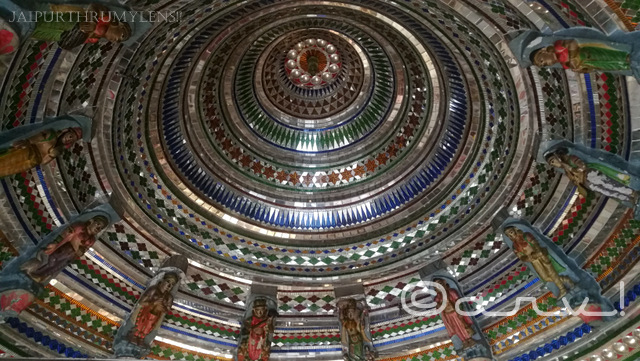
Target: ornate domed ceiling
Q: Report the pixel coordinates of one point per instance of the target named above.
(311, 145)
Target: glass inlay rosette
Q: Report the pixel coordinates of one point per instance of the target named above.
(313, 63)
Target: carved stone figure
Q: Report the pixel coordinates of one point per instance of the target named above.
(466, 335)
(27, 146)
(456, 324)
(37, 150)
(357, 344)
(562, 276)
(598, 171)
(580, 49)
(154, 303)
(72, 243)
(257, 333)
(24, 277)
(137, 332)
(527, 248)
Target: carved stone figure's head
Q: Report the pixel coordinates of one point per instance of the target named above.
(118, 32)
(167, 283)
(68, 137)
(554, 158)
(97, 224)
(442, 282)
(350, 309)
(260, 308)
(512, 233)
(544, 57)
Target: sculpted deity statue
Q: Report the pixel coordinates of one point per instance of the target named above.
(137, 332)
(466, 335)
(73, 243)
(257, 332)
(560, 273)
(357, 344)
(24, 277)
(527, 248)
(154, 303)
(580, 49)
(598, 171)
(39, 149)
(456, 324)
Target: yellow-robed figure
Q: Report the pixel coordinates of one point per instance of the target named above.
(36, 150)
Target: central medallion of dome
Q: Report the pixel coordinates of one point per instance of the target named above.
(313, 63)
(314, 84)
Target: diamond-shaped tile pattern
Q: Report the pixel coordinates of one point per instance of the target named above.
(216, 288)
(503, 13)
(570, 11)
(130, 243)
(77, 170)
(84, 83)
(387, 293)
(20, 94)
(25, 186)
(300, 302)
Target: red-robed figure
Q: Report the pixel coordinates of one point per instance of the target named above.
(154, 303)
(256, 345)
(455, 323)
(73, 243)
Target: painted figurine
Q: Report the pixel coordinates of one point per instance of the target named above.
(70, 33)
(598, 171)
(23, 278)
(154, 303)
(527, 248)
(466, 335)
(562, 276)
(580, 49)
(257, 332)
(355, 335)
(456, 324)
(40, 149)
(136, 334)
(73, 243)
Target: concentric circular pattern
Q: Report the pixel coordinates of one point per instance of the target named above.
(302, 108)
(247, 170)
(207, 147)
(330, 132)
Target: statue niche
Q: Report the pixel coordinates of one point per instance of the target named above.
(580, 49)
(32, 145)
(561, 275)
(136, 334)
(597, 171)
(24, 277)
(355, 335)
(256, 334)
(465, 333)
(74, 242)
